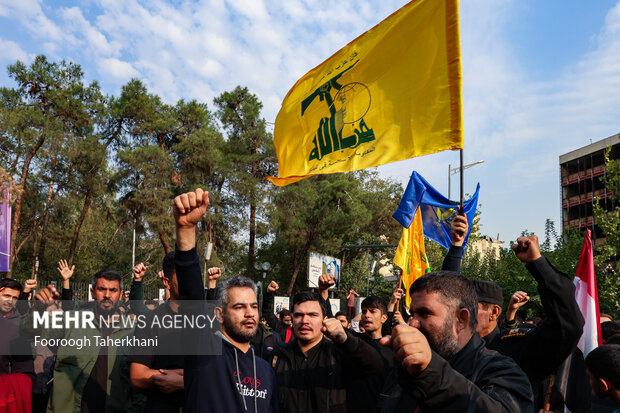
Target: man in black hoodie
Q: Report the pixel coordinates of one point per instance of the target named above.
(236, 380)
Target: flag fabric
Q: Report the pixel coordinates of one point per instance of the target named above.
(437, 211)
(411, 255)
(5, 231)
(586, 296)
(393, 93)
(572, 382)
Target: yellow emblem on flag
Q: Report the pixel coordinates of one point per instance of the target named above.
(391, 94)
(411, 255)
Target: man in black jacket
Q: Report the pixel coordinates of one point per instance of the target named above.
(540, 350)
(444, 366)
(313, 371)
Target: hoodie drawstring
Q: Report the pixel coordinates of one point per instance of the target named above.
(255, 387)
(238, 378)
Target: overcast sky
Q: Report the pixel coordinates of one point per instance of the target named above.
(540, 78)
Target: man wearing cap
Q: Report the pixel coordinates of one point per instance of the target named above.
(539, 351)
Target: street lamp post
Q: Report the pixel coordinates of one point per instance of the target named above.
(264, 267)
(454, 171)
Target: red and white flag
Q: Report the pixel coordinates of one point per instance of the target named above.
(586, 296)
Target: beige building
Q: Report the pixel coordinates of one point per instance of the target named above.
(487, 245)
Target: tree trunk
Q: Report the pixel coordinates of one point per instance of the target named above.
(48, 205)
(76, 234)
(301, 256)
(17, 209)
(252, 238)
(164, 242)
(34, 256)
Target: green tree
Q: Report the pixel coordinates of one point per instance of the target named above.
(250, 156)
(50, 103)
(323, 212)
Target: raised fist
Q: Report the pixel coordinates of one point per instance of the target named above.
(527, 249)
(410, 347)
(214, 273)
(30, 285)
(138, 272)
(45, 297)
(189, 208)
(518, 300)
(272, 287)
(458, 229)
(333, 329)
(326, 281)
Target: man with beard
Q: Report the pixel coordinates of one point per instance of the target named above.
(236, 380)
(94, 378)
(443, 363)
(538, 350)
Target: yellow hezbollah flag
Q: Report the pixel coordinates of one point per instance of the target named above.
(410, 254)
(391, 94)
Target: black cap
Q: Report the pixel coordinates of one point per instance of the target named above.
(489, 292)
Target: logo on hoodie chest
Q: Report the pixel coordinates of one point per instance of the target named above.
(248, 386)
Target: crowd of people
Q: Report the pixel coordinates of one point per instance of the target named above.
(453, 349)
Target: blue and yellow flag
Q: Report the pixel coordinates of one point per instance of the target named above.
(391, 94)
(411, 255)
(436, 210)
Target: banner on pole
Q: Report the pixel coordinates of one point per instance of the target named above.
(5, 230)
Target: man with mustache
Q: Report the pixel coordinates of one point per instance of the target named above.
(443, 363)
(314, 370)
(95, 379)
(235, 380)
(538, 350)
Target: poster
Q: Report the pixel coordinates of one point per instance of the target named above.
(335, 305)
(280, 303)
(318, 265)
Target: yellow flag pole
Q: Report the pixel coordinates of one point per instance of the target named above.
(462, 195)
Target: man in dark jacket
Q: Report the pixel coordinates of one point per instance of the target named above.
(444, 366)
(540, 350)
(236, 380)
(363, 393)
(313, 371)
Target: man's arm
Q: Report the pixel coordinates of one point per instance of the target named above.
(548, 345)
(213, 274)
(136, 293)
(22, 303)
(326, 281)
(440, 388)
(66, 293)
(360, 359)
(267, 312)
(458, 232)
(188, 210)
(500, 385)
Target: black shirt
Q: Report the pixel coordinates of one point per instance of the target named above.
(363, 394)
(157, 400)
